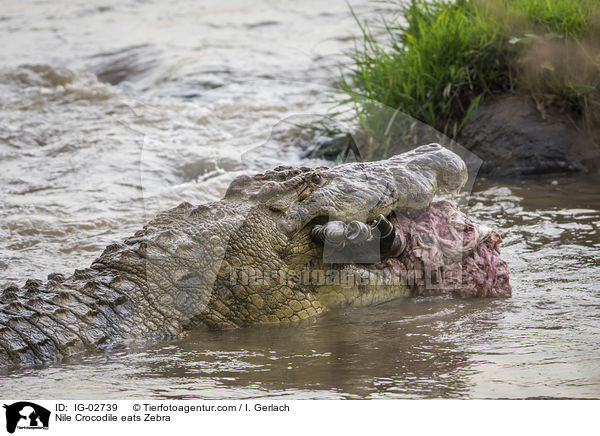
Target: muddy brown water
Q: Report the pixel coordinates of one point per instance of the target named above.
(109, 114)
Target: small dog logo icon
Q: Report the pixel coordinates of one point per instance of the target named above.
(26, 415)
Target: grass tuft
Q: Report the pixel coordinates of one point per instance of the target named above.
(440, 58)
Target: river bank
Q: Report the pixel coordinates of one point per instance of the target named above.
(514, 81)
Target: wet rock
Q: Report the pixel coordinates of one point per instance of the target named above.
(330, 148)
(514, 139)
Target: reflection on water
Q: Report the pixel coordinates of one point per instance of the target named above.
(396, 349)
(105, 102)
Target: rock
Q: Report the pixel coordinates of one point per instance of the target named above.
(514, 139)
(330, 148)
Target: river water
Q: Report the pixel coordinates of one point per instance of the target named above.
(110, 113)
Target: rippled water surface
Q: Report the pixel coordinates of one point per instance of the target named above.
(111, 113)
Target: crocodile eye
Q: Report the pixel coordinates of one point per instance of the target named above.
(317, 180)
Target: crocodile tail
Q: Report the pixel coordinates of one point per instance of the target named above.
(45, 322)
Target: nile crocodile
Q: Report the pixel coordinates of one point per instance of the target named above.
(279, 247)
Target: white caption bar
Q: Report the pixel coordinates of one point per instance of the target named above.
(49, 417)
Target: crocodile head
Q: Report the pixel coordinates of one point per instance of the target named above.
(279, 247)
(292, 242)
(355, 191)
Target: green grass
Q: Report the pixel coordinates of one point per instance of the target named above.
(440, 58)
(568, 18)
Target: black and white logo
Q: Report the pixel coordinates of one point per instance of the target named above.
(26, 415)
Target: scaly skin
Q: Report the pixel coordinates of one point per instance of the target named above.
(247, 259)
